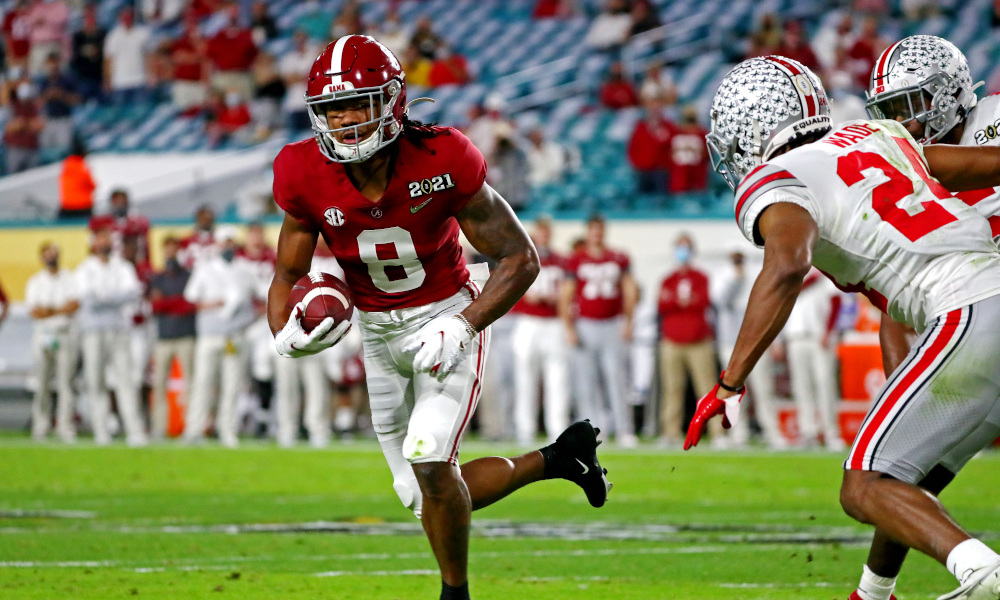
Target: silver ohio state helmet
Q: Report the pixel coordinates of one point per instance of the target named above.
(922, 77)
(761, 105)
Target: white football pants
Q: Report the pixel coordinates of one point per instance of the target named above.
(217, 355)
(541, 354)
(54, 355)
(291, 377)
(110, 353)
(813, 369)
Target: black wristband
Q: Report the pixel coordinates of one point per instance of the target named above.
(738, 390)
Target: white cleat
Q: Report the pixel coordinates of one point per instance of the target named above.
(983, 584)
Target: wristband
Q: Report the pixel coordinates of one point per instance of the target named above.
(468, 326)
(722, 385)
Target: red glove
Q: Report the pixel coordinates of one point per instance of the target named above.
(709, 406)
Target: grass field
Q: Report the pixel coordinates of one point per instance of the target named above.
(259, 522)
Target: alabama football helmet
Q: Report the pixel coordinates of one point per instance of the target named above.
(922, 77)
(357, 67)
(761, 105)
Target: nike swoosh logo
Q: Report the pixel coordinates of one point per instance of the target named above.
(585, 468)
(414, 209)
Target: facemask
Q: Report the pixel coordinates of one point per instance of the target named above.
(228, 254)
(120, 211)
(52, 263)
(233, 99)
(682, 254)
(25, 91)
(173, 264)
(103, 250)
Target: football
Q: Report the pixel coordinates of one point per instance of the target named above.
(324, 296)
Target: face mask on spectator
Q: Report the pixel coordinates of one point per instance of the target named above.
(233, 99)
(228, 254)
(682, 254)
(173, 264)
(52, 262)
(25, 91)
(103, 250)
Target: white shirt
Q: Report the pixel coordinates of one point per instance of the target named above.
(106, 291)
(233, 284)
(730, 294)
(126, 48)
(811, 312)
(608, 30)
(52, 291)
(887, 229)
(297, 65)
(547, 163)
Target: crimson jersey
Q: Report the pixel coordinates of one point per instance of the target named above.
(598, 282)
(542, 298)
(402, 250)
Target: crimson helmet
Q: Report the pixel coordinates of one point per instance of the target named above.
(357, 67)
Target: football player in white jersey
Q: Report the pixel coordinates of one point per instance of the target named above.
(924, 82)
(869, 206)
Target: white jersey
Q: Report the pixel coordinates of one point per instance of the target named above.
(982, 128)
(887, 228)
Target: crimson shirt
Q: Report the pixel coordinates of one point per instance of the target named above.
(649, 148)
(683, 304)
(542, 298)
(402, 250)
(232, 49)
(17, 31)
(598, 282)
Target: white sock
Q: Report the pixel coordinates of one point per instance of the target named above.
(875, 587)
(968, 557)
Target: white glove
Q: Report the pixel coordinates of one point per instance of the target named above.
(293, 342)
(439, 346)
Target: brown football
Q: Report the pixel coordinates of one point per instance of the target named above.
(324, 296)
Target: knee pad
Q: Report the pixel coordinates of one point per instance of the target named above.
(421, 446)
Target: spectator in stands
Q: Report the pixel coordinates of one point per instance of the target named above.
(161, 12)
(610, 29)
(768, 36)
(509, 168)
(348, 21)
(686, 348)
(17, 34)
(449, 68)
(828, 40)
(4, 305)
(794, 46)
(22, 134)
(812, 361)
(200, 245)
(393, 34)
(657, 87)
(204, 8)
(51, 298)
(125, 55)
(268, 96)
(845, 104)
(48, 21)
(617, 92)
(106, 286)
(223, 289)
(294, 67)
(649, 149)
(416, 66)
(87, 62)
(189, 55)
(231, 53)
(76, 184)
(175, 332)
(558, 9)
(316, 21)
(689, 159)
(995, 14)
(601, 284)
(486, 122)
(865, 51)
(263, 27)
(226, 116)
(546, 159)
(644, 17)
(58, 95)
(424, 39)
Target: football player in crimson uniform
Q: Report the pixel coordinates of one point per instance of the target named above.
(924, 82)
(390, 196)
(872, 208)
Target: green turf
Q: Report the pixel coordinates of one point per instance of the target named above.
(696, 525)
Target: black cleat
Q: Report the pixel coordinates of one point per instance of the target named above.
(573, 456)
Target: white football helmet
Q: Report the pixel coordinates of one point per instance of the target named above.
(922, 77)
(760, 106)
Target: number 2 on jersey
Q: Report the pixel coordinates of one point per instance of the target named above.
(393, 274)
(851, 168)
